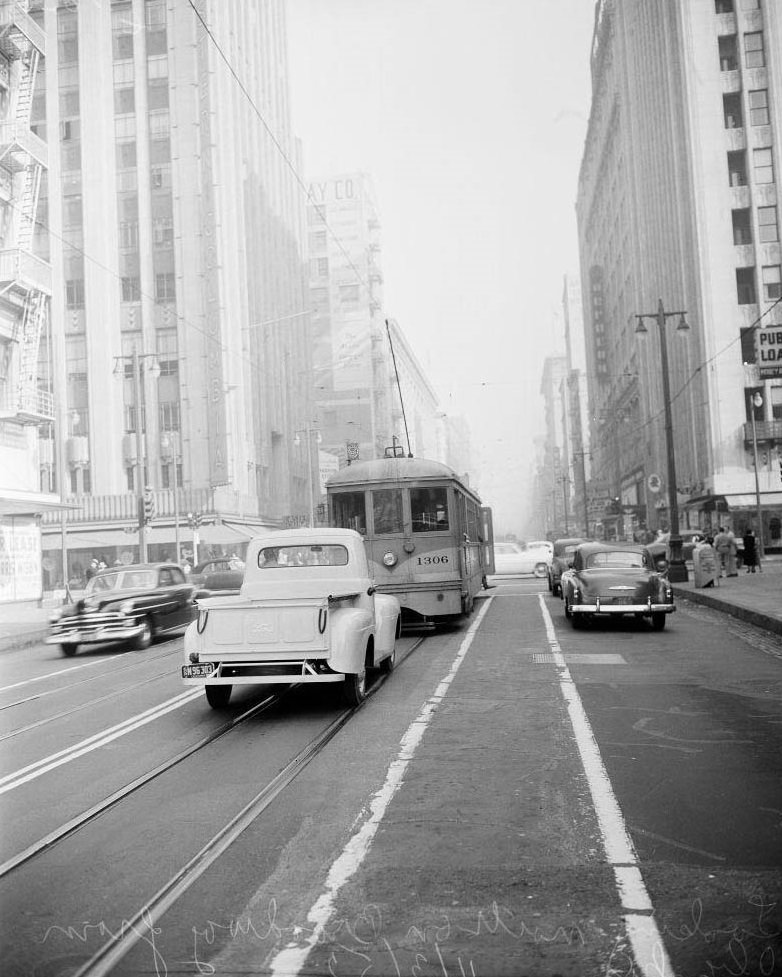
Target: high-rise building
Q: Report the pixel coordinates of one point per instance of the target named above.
(679, 221)
(175, 213)
(351, 359)
(25, 288)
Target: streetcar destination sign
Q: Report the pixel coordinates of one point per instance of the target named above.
(768, 351)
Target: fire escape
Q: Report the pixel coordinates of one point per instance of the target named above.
(25, 279)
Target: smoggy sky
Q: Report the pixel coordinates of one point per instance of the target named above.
(470, 116)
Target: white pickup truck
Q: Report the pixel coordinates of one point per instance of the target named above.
(307, 611)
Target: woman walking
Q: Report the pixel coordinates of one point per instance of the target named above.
(750, 551)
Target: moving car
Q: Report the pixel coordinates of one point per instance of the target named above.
(308, 612)
(660, 548)
(515, 559)
(218, 564)
(563, 552)
(129, 603)
(607, 579)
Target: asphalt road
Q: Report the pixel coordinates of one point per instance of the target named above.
(453, 825)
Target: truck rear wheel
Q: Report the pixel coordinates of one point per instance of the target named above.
(218, 695)
(355, 688)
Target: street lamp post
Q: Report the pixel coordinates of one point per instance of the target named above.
(757, 401)
(677, 569)
(168, 444)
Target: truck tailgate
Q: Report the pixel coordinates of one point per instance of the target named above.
(267, 627)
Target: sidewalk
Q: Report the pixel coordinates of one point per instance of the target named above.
(753, 597)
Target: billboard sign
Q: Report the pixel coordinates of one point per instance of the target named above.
(768, 351)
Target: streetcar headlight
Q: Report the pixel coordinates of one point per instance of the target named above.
(389, 559)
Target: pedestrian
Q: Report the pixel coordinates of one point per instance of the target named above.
(750, 551)
(722, 546)
(704, 562)
(732, 554)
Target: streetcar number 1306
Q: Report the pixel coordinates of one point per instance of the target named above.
(429, 560)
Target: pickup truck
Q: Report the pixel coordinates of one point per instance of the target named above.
(307, 611)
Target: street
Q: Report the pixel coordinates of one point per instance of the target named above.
(516, 798)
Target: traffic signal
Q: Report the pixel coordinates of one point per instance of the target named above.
(149, 505)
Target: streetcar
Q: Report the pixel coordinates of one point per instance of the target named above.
(428, 537)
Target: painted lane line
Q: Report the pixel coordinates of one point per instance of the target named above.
(290, 960)
(61, 671)
(647, 944)
(40, 767)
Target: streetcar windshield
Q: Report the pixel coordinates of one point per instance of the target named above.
(387, 511)
(350, 511)
(429, 509)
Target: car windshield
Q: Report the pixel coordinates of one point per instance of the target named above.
(617, 559)
(314, 555)
(122, 580)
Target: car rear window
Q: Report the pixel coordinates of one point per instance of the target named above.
(315, 555)
(619, 558)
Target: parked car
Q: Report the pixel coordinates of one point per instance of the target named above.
(607, 579)
(217, 564)
(307, 612)
(661, 547)
(515, 559)
(129, 603)
(563, 553)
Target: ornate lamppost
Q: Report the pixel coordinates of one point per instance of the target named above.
(677, 569)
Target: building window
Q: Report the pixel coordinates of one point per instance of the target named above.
(737, 168)
(745, 286)
(124, 101)
(748, 345)
(131, 290)
(728, 52)
(349, 295)
(165, 287)
(169, 416)
(74, 293)
(160, 177)
(758, 107)
(316, 215)
(162, 231)
(723, 6)
(742, 226)
(157, 94)
(70, 129)
(157, 43)
(126, 155)
(763, 164)
(69, 104)
(128, 235)
(768, 229)
(772, 282)
(68, 49)
(731, 111)
(754, 56)
(72, 212)
(320, 301)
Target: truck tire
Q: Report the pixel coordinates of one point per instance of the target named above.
(218, 695)
(354, 689)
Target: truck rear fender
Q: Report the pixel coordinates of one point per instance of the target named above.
(387, 613)
(350, 629)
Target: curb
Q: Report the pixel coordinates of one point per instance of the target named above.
(760, 620)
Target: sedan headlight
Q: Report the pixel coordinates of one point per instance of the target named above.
(389, 559)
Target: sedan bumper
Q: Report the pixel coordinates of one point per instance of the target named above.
(612, 607)
(90, 635)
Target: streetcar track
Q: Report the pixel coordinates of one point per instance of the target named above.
(72, 826)
(133, 929)
(85, 705)
(73, 685)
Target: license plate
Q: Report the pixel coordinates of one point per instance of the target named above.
(622, 600)
(197, 671)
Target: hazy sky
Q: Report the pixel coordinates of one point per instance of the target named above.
(470, 117)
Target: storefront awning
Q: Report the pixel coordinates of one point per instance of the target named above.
(747, 500)
(31, 504)
(83, 537)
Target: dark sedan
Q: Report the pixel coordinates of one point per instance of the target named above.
(131, 604)
(563, 554)
(607, 579)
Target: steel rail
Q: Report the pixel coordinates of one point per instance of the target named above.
(103, 961)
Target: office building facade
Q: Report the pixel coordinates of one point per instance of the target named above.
(679, 223)
(175, 214)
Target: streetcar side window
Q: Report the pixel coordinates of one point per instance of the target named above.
(387, 511)
(429, 509)
(350, 511)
